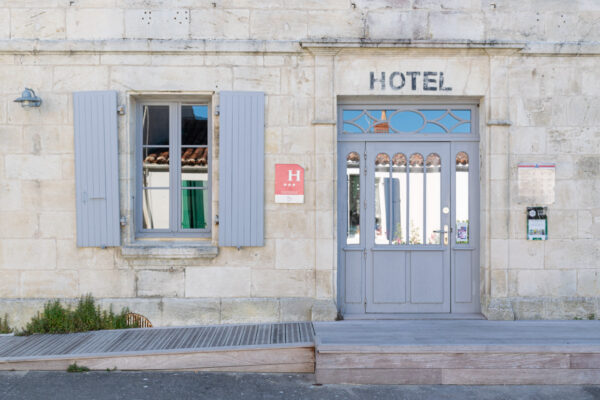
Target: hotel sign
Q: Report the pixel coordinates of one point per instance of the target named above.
(409, 80)
(289, 183)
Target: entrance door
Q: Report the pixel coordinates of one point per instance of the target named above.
(407, 227)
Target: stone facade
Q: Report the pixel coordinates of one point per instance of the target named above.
(532, 65)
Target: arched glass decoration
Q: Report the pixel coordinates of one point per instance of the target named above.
(399, 199)
(462, 198)
(433, 198)
(353, 191)
(407, 120)
(415, 200)
(382, 199)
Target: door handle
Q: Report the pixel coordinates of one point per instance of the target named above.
(445, 233)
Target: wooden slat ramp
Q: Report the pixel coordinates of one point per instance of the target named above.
(281, 347)
(458, 352)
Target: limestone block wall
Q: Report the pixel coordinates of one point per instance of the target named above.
(554, 105)
(535, 20)
(37, 201)
(544, 82)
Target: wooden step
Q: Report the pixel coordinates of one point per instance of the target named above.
(458, 353)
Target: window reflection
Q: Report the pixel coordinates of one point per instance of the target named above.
(155, 125)
(382, 199)
(462, 198)
(155, 209)
(194, 125)
(415, 180)
(353, 190)
(155, 167)
(194, 205)
(433, 198)
(194, 165)
(399, 199)
(405, 120)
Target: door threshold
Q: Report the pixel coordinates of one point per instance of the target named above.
(387, 316)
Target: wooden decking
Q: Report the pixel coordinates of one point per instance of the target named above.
(356, 352)
(287, 347)
(458, 352)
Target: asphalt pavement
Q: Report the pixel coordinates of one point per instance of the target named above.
(116, 385)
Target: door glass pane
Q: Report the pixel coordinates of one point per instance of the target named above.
(399, 199)
(415, 201)
(382, 199)
(353, 182)
(155, 208)
(194, 125)
(462, 198)
(155, 125)
(433, 198)
(194, 206)
(194, 165)
(155, 167)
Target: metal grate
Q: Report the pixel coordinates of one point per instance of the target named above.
(156, 340)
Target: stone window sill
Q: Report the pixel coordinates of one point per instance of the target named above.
(171, 250)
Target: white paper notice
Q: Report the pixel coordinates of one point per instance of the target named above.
(536, 183)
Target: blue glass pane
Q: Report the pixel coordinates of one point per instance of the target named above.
(379, 120)
(433, 128)
(433, 114)
(351, 114)
(406, 121)
(200, 112)
(462, 114)
(448, 121)
(349, 128)
(463, 128)
(363, 121)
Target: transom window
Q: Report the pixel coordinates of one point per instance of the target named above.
(173, 169)
(407, 120)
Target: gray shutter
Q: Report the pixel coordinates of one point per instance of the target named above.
(241, 168)
(96, 168)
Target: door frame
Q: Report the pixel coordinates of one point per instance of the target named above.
(458, 142)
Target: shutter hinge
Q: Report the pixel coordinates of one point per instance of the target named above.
(217, 219)
(121, 110)
(217, 110)
(123, 220)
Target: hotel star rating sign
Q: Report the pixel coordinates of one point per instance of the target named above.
(289, 183)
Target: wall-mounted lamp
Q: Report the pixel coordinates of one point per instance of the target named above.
(29, 99)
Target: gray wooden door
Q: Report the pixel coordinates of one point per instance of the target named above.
(407, 227)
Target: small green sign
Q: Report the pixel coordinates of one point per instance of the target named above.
(537, 223)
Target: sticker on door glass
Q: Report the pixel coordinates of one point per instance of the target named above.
(462, 232)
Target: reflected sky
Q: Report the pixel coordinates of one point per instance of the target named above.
(407, 121)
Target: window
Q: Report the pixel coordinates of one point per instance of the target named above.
(406, 120)
(173, 169)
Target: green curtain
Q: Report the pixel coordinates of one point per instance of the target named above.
(192, 206)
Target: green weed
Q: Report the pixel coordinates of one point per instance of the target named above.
(4, 327)
(87, 316)
(77, 368)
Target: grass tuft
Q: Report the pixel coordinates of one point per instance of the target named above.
(4, 327)
(77, 368)
(87, 316)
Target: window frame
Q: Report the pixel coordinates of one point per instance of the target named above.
(175, 170)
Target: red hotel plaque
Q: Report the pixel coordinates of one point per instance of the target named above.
(289, 183)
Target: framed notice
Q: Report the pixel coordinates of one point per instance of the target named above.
(536, 183)
(537, 223)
